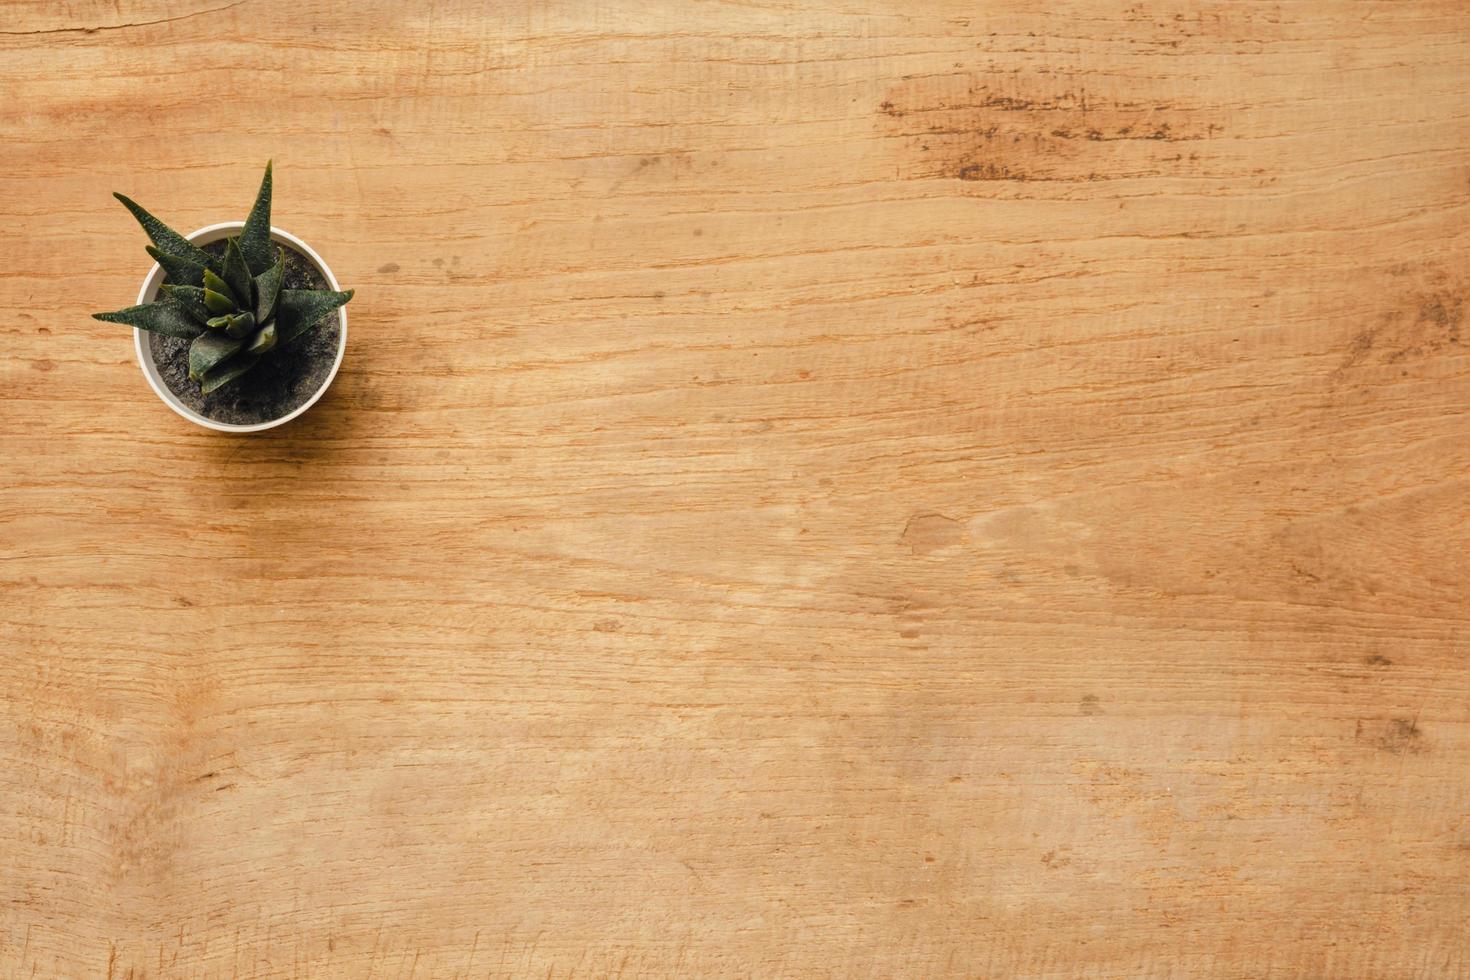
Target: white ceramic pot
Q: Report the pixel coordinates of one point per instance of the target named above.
(149, 292)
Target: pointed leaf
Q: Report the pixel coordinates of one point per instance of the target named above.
(214, 284)
(268, 288)
(238, 276)
(241, 325)
(255, 238)
(210, 349)
(164, 318)
(301, 309)
(227, 372)
(218, 302)
(218, 322)
(190, 299)
(264, 340)
(163, 236)
(181, 271)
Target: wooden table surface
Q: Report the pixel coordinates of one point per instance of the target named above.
(841, 489)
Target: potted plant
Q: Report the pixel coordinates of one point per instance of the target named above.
(241, 337)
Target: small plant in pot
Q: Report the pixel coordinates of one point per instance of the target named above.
(239, 326)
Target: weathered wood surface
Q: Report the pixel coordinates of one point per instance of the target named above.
(834, 489)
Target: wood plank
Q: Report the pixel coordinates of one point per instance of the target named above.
(841, 489)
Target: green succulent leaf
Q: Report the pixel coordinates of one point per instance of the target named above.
(211, 349)
(218, 322)
(163, 236)
(214, 284)
(255, 238)
(301, 309)
(264, 340)
(181, 271)
(268, 288)
(218, 302)
(240, 325)
(237, 276)
(190, 299)
(164, 318)
(227, 372)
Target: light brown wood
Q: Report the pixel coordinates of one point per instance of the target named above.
(839, 489)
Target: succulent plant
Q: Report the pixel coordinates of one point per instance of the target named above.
(230, 308)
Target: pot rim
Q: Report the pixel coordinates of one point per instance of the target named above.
(151, 282)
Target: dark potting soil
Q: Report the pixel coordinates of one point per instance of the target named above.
(282, 381)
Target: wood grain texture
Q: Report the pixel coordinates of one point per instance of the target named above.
(849, 488)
